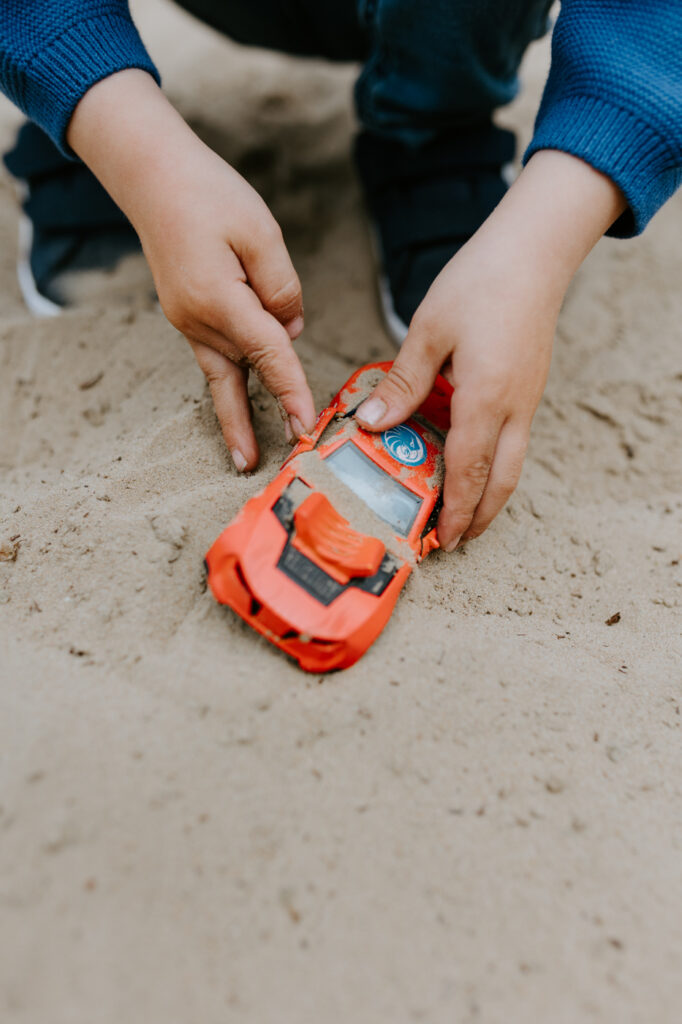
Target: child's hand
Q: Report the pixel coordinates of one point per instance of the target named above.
(488, 321)
(225, 280)
(221, 268)
(491, 333)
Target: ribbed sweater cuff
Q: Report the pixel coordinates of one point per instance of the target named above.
(619, 145)
(60, 75)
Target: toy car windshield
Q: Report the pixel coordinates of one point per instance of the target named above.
(387, 497)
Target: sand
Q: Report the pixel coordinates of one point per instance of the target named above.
(482, 820)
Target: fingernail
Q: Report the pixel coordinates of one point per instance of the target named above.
(238, 459)
(297, 426)
(452, 545)
(288, 432)
(371, 411)
(294, 327)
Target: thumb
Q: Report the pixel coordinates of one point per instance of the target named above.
(403, 389)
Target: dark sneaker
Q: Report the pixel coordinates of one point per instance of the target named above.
(69, 228)
(425, 203)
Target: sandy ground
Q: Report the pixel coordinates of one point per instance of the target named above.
(482, 821)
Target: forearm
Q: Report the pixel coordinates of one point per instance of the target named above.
(52, 52)
(129, 135)
(552, 216)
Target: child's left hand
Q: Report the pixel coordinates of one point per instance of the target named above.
(491, 333)
(488, 323)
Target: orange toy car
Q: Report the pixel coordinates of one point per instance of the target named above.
(316, 561)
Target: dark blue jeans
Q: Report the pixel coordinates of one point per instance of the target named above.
(428, 65)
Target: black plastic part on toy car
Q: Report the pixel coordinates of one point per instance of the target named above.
(433, 516)
(314, 580)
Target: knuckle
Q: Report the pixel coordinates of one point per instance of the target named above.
(177, 313)
(265, 363)
(494, 390)
(214, 378)
(260, 356)
(507, 486)
(510, 473)
(402, 381)
(203, 307)
(476, 472)
(503, 493)
(186, 307)
(181, 322)
(268, 233)
(491, 403)
(275, 233)
(285, 296)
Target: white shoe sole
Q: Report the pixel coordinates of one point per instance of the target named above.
(509, 174)
(37, 304)
(396, 328)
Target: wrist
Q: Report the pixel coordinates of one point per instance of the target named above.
(553, 215)
(129, 135)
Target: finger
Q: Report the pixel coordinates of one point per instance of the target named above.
(241, 320)
(228, 386)
(408, 382)
(273, 279)
(469, 452)
(503, 478)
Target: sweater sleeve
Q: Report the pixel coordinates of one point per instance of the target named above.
(614, 98)
(53, 51)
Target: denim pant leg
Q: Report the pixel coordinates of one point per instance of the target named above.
(437, 64)
(429, 65)
(300, 27)
(303, 28)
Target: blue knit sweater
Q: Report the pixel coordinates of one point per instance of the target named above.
(613, 97)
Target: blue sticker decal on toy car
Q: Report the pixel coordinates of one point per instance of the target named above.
(405, 445)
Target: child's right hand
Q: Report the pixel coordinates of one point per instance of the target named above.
(222, 272)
